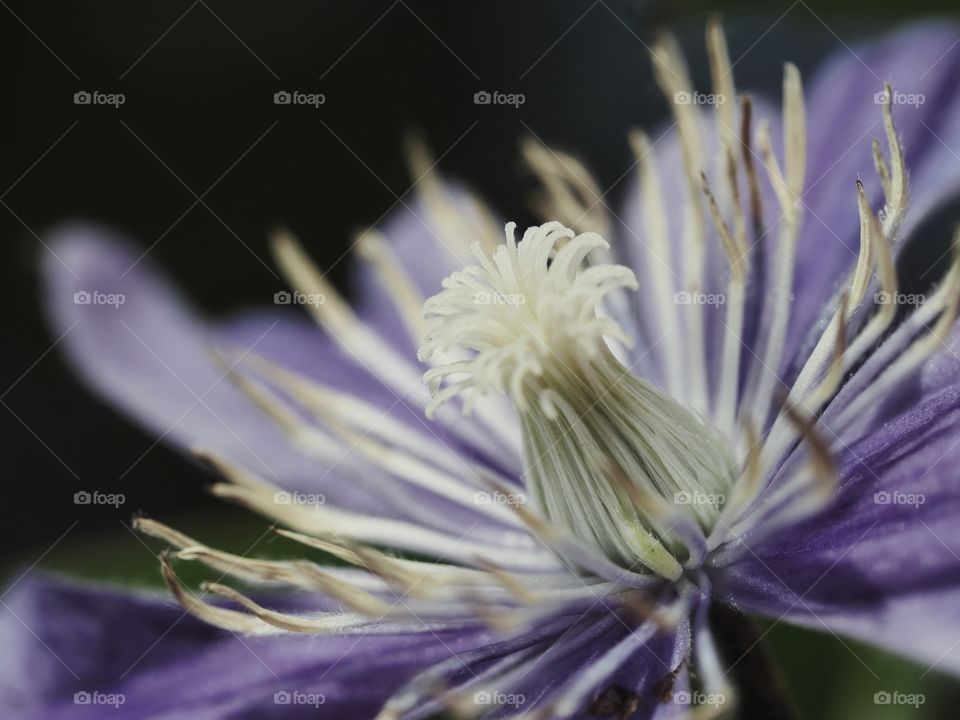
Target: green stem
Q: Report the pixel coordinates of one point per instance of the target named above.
(761, 687)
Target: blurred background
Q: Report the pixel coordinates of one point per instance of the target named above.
(199, 163)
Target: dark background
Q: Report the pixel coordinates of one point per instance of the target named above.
(199, 120)
(199, 80)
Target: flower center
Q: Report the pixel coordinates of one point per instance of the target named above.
(606, 455)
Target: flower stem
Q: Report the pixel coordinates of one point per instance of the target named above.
(761, 686)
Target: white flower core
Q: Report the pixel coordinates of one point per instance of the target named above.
(604, 451)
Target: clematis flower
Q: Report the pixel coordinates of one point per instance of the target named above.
(717, 399)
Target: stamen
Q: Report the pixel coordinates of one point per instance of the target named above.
(336, 316)
(834, 377)
(572, 195)
(887, 274)
(463, 221)
(333, 407)
(945, 302)
(723, 86)
(750, 482)
(363, 345)
(670, 71)
(655, 220)
(249, 570)
(756, 203)
(324, 623)
(803, 493)
(373, 247)
(223, 618)
(896, 189)
(580, 409)
(788, 187)
(876, 240)
(733, 326)
(873, 244)
(251, 491)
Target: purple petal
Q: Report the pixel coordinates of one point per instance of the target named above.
(150, 355)
(61, 639)
(883, 562)
(843, 119)
(644, 676)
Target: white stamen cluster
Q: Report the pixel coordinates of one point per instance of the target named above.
(529, 306)
(596, 437)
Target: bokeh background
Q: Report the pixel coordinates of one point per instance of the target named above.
(199, 164)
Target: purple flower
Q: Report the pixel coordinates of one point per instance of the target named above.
(723, 408)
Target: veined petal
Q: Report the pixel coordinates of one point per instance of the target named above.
(64, 639)
(919, 63)
(881, 563)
